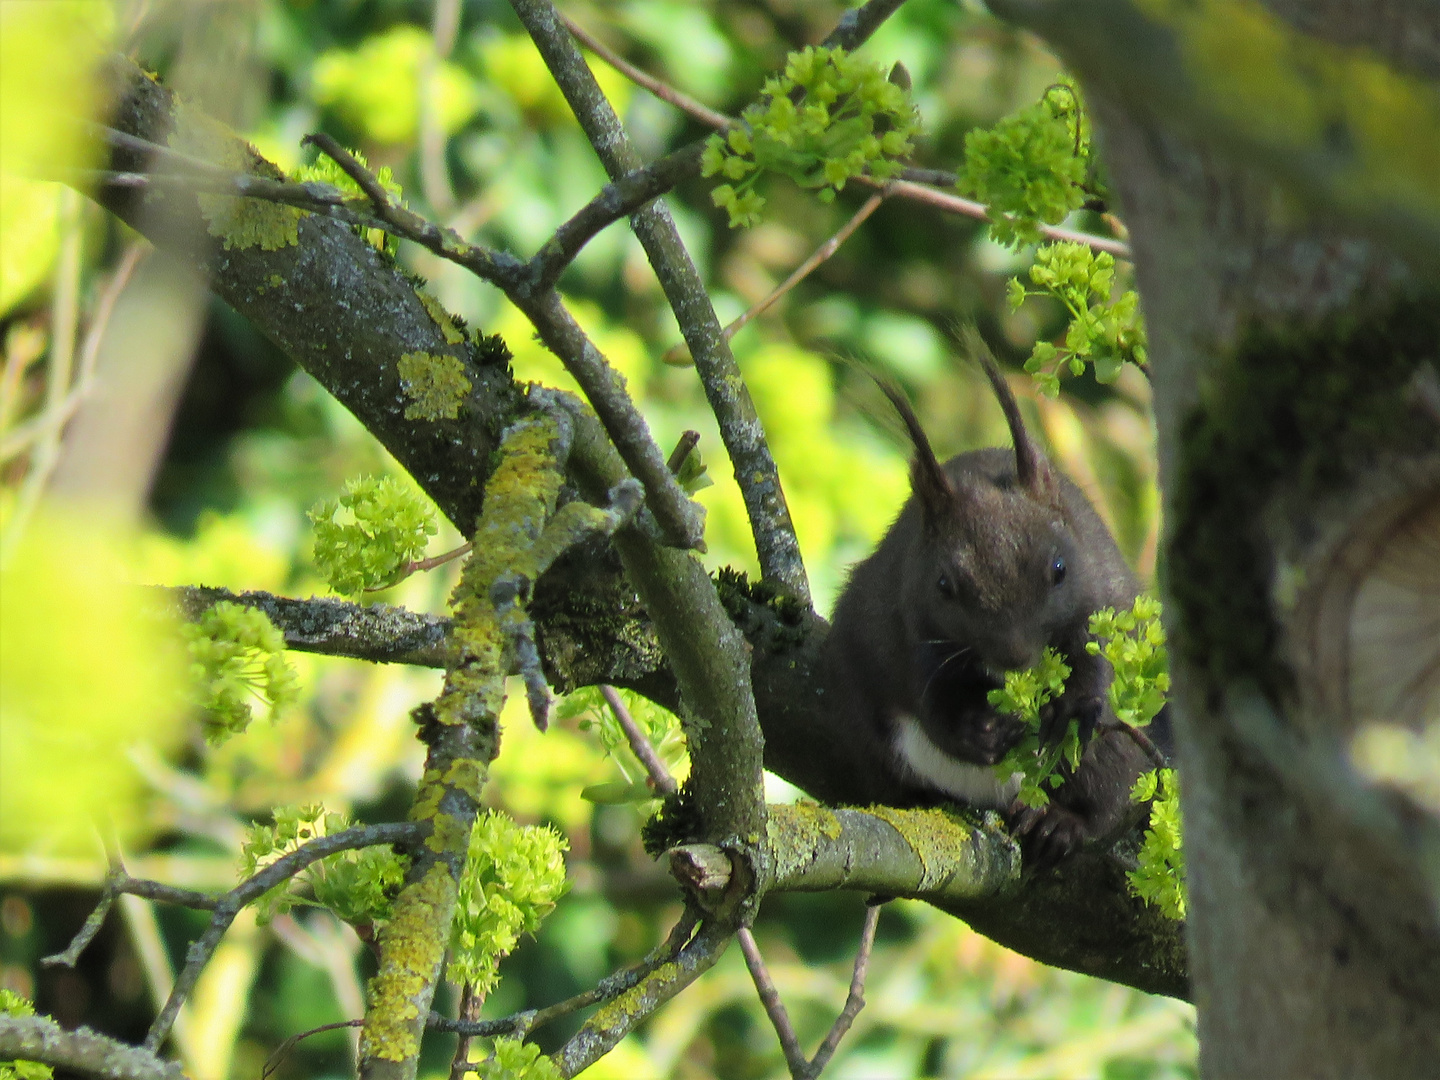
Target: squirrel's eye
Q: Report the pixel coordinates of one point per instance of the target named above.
(944, 585)
(1057, 571)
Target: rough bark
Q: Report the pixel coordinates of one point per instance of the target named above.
(1292, 351)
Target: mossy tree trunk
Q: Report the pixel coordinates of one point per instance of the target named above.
(1294, 349)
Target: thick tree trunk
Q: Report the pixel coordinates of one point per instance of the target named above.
(1300, 461)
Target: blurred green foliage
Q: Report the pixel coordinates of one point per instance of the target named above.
(256, 444)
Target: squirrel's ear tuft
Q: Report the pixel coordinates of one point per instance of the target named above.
(938, 497)
(1032, 468)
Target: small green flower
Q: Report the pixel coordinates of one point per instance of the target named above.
(850, 121)
(359, 886)
(1102, 333)
(1030, 167)
(236, 656)
(366, 537)
(1023, 695)
(513, 876)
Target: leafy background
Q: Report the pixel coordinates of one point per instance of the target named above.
(480, 137)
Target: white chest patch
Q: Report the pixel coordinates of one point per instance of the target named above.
(974, 785)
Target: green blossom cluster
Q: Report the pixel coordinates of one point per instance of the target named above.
(367, 537)
(324, 170)
(1030, 167)
(237, 655)
(1023, 695)
(1134, 643)
(1102, 332)
(12, 1004)
(513, 876)
(592, 713)
(436, 385)
(359, 886)
(516, 1060)
(1160, 877)
(827, 118)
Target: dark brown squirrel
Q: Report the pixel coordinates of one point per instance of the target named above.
(994, 557)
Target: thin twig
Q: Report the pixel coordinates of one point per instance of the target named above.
(469, 1011)
(774, 1007)
(677, 516)
(800, 1068)
(660, 778)
(599, 1035)
(663, 90)
(857, 24)
(282, 1051)
(683, 446)
(677, 355)
(415, 566)
(618, 199)
(855, 1000)
(969, 208)
(256, 886)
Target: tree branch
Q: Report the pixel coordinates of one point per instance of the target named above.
(740, 427)
(38, 1038)
(379, 633)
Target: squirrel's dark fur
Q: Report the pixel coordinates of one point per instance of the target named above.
(995, 556)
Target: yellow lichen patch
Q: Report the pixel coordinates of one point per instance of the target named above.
(631, 1003)
(412, 946)
(467, 776)
(448, 835)
(520, 495)
(795, 834)
(238, 222)
(435, 384)
(938, 837)
(442, 318)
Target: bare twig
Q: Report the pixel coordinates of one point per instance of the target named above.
(256, 886)
(800, 1068)
(855, 1000)
(677, 355)
(602, 1031)
(970, 208)
(415, 566)
(282, 1051)
(774, 1007)
(468, 1012)
(857, 24)
(377, 632)
(677, 516)
(496, 267)
(660, 778)
(663, 90)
